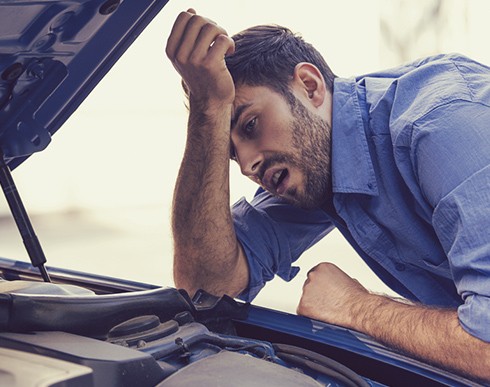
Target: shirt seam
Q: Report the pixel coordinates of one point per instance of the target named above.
(462, 75)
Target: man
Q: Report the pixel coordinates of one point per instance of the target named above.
(398, 161)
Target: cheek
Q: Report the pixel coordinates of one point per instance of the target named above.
(277, 138)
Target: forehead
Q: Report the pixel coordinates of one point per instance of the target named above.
(247, 96)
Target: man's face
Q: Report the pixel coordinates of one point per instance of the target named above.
(281, 145)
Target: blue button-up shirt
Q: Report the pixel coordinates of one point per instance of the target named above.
(411, 183)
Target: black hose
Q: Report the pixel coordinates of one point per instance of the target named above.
(319, 363)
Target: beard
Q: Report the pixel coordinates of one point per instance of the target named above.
(310, 155)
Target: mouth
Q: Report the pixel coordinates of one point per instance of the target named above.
(275, 180)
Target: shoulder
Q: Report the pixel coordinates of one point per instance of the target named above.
(397, 97)
(443, 78)
(439, 123)
(431, 87)
(448, 145)
(428, 84)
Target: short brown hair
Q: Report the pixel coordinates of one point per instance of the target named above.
(266, 55)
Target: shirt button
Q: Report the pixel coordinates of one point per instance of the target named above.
(400, 266)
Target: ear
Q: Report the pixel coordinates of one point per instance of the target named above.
(309, 83)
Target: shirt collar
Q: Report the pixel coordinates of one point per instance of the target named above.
(352, 168)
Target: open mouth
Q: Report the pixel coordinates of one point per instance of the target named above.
(278, 178)
(275, 181)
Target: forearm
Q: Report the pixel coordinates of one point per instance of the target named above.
(430, 334)
(433, 335)
(207, 254)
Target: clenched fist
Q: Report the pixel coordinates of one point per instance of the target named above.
(331, 296)
(197, 48)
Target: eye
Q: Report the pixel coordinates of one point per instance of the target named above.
(250, 127)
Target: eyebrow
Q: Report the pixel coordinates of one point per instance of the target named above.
(237, 113)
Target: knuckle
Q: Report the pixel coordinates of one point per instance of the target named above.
(224, 41)
(326, 265)
(222, 37)
(312, 270)
(195, 20)
(208, 27)
(179, 60)
(184, 15)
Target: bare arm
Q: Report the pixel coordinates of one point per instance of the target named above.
(207, 253)
(433, 335)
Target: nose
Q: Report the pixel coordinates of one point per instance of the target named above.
(249, 159)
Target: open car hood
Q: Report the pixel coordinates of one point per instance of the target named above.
(52, 54)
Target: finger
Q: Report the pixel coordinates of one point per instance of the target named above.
(193, 11)
(178, 29)
(213, 41)
(223, 45)
(190, 41)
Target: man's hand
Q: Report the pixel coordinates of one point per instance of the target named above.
(197, 47)
(330, 295)
(431, 334)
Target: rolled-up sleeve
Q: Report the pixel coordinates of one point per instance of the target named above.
(452, 163)
(273, 235)
(463, 225)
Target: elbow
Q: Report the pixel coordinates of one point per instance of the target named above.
(183, 280)
(230, 277)
(215, 286)
(191, 279)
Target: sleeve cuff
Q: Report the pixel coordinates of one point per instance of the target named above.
(474, 316)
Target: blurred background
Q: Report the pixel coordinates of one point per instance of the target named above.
(100, 195)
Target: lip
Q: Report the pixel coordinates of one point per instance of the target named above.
(268, 181)
(281, 188)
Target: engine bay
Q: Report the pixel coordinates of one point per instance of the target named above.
(73, 336)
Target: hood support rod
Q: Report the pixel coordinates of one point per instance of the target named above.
(22, 220)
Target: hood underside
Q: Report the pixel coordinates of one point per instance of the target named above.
(52, 55)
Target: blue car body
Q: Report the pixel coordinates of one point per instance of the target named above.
(89, 330)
